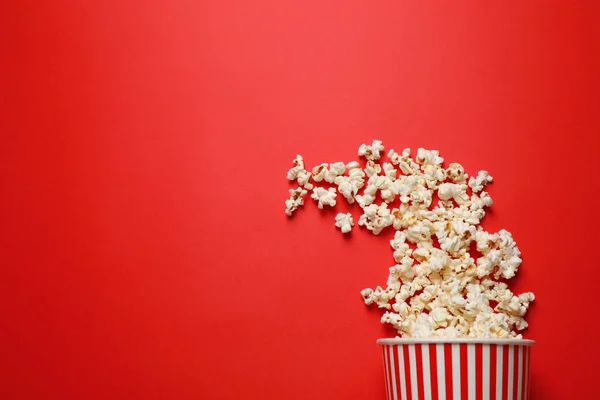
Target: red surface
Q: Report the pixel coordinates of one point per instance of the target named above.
(144, 251)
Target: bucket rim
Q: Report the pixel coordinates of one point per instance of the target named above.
(398, 341)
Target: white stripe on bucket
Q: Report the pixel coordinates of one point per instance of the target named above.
(413, 371)
(402, 372)
(426, 372)
(471, 371)
(499, 354)
(456, 372)
(486, 371)
(511, 370)
(441, 375)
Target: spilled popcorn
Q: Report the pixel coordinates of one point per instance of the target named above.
(436, 288)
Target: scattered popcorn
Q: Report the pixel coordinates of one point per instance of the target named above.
(436, 288)
(401, 248)
(344, 222)
(372, 169)
(433, 175)
(349, 185)
(390, 171)
(319, 172)
(428, 157)
(324, 196)
(335, 170)
(384, 185)
(407, 165)
(372, 152)
(376, 218)
(452, 191)
(298, 166)
(367, 295)
(304, 180)
(480, 181)
(456, 173)
(299, 174)
(368, 196)
(296, 200)
(394, 157)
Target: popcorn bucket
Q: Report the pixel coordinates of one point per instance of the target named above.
(451, 369)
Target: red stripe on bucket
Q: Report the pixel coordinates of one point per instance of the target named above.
(464, 372)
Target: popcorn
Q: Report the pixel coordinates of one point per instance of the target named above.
(368, 196)
(324, 196)
(296, 200)
(427, 157)
(344, 222)
(436, 288)
(319, 172)
(367, 295)
(372, 169)
(381, 297)
(405, 271)
(372, 152)
(452, 191)
(335, 170)
(421, 195)
(390, 171)
(418, 232)
(478, 183)
(401, 248)
(422, 327)
(403, 219)
(347, 188)
(431, 163)
(440, 317)
(500, 254)
(433, 174)
(299, 174)
(376, 218)
(480, 201)
(296, 169)
(349, 185)
(456, 173)
(356, 174)
(407, 165)
(394, 157)
(304, 180)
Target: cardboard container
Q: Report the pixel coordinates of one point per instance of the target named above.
(452, 369)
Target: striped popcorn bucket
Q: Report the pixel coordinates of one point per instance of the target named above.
(455, 369)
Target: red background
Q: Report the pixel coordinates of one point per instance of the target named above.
(144, 249)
